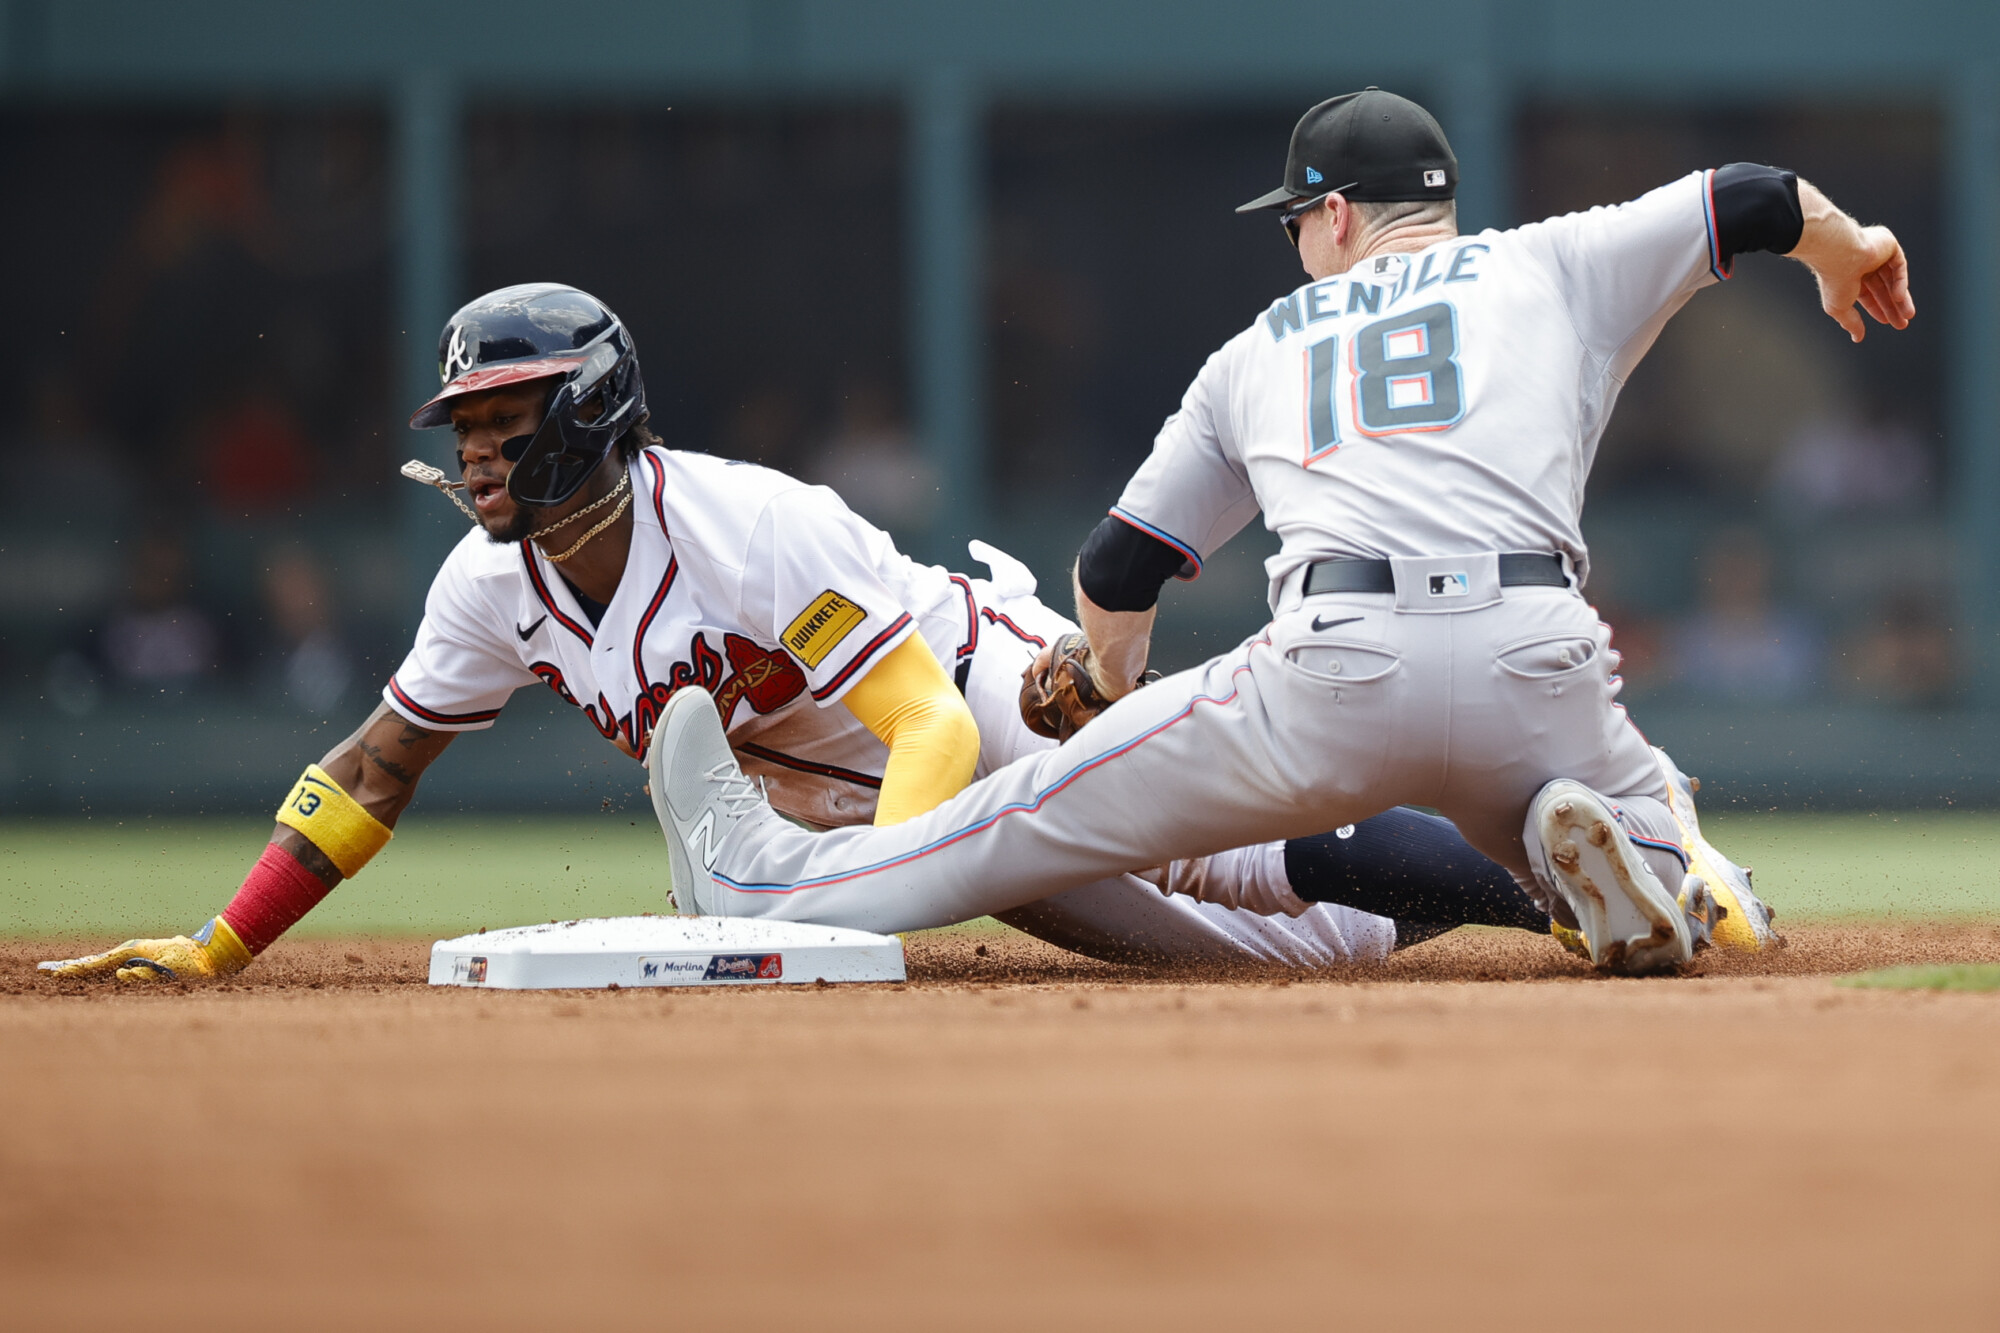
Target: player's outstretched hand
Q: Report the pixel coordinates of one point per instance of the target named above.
(1854, 265)
(1875, 276)
(181, 958)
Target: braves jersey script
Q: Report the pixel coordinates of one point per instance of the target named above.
(1443, 402)
(770, 594)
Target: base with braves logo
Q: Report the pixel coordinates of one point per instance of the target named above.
(664, 951)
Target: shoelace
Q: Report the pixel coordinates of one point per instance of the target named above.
(739, 793)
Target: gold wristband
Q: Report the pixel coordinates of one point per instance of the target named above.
(226, 948)
(333, 821)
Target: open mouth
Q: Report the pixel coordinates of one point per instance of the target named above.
(486, 494)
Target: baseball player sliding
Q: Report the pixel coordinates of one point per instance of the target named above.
(857, 684)
(1416, 423)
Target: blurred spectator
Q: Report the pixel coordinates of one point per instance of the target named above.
(1906, 656)
(1849, 464)
(255, 457)
(316, 664)
(1738, 645)
(874, 464)
(158, 639)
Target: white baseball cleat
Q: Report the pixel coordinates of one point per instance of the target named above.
(1743, 923)
(1631, 924)
(699, 794)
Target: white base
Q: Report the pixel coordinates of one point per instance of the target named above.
(664, 951)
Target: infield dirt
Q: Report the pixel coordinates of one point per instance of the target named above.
(1014, 1139)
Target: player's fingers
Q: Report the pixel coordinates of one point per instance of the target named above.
(1895, 279)
(1874, 300)
(1848, 318)
(1889, 276)
(1885, 294)
(146, 970)
(94, 965)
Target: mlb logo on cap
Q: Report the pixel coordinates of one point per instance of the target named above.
(1433, 179)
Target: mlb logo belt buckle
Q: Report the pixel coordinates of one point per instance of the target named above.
(1449, 585)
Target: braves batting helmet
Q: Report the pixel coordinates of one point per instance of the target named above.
(543, 330)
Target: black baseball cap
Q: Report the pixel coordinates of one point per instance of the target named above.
(1372, 146)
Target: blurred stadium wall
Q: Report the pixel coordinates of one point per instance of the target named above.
(958, 260)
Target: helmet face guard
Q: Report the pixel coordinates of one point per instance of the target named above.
(552, 464)
(544, 331)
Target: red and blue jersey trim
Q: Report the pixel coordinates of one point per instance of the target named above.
(874, 646)
(971, 644)
(548, 602)
(1716, 264)
(432, 715)
(1029, 806)
(1134, 520)
(1673, 849)
(1001, 619)
(646, 621)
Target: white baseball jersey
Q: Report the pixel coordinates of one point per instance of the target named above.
(1437, 403)
(770, 594)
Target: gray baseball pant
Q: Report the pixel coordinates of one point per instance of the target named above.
(1347, 704)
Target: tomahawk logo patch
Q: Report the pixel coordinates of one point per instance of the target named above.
(821, 627)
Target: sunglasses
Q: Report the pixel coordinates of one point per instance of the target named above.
(1291, 217)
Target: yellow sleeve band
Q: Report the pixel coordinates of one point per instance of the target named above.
(915, 710)
(333, 821)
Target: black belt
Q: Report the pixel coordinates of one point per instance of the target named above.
(1518, 569)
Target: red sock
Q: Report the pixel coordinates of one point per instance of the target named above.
(277, 892)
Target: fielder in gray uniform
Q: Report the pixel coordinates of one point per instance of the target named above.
(1417, 424)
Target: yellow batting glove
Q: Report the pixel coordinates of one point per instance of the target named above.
(213, 951)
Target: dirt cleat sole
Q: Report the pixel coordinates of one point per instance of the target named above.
(1631, 924)
(1743, 922)
(700, 796)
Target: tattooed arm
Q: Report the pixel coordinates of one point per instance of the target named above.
(373, 775)
(378, 766)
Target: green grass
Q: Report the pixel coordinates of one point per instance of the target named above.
(1904, 865)
(449, 874)
(1943, 976)
(442, 875)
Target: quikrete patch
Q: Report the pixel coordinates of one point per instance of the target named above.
(821, 626)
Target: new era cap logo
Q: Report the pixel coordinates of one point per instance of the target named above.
(1313, 177)
(1433, 179)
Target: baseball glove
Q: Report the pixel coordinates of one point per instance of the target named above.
(1060, 700)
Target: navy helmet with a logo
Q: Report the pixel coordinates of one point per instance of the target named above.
(544, 330)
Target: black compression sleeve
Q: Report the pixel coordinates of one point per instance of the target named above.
(1414, 868)
(1756, 208)
(1122, 569)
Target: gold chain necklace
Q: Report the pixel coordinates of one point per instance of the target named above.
(622, 489)
(416, 470)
